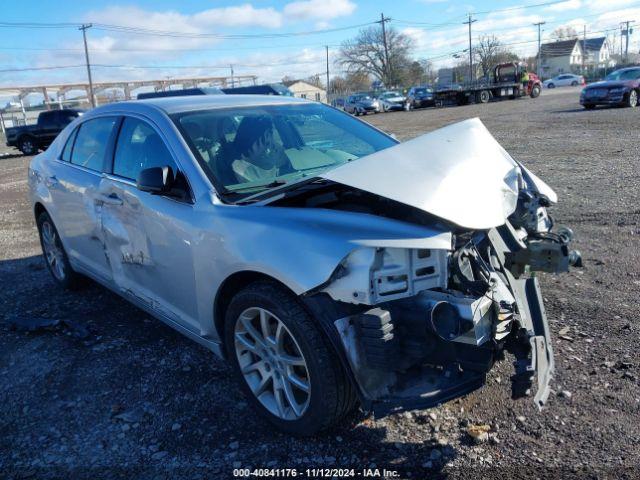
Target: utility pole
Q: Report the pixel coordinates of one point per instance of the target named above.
(84, 28)
(386, 48)
(469, 22)
(626, 33)
(233, 82)
(326, 47)
(539, 24)
(584, 47)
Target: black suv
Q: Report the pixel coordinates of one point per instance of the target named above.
(31, 138)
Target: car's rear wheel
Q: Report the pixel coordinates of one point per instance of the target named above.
(632, 99)
(55, 255)
(285, 364)
(589, 106)
(27, 146)
(484, 96)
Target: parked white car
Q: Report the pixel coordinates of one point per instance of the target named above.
(564, 80)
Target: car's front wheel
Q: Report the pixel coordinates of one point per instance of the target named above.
(285, 364)
(551, 85)
(632, 99)
(589, 106)
(55, 255)
(535, 91)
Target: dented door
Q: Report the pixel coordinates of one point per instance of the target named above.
(149, 249)
(147, 237)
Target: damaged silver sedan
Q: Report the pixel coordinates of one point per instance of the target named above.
(331, 265)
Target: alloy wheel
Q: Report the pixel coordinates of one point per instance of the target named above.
(52, 250)
(272, 363)
(27, 147)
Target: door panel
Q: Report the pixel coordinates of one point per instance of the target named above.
(73, 192)
(148, 244)
(148, 237)
(74, 189)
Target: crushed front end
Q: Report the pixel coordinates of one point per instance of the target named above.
(419, 327)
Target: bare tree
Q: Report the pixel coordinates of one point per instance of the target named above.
(366, 54)
(564, 33)
(490, 52)
(351, 82)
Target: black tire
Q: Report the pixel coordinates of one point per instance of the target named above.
(574, 84)
(70, 280)
(551, 85)
(27, 145)
(589, 106)
(631, 99)
(535, 91)
(332, 395)
(484, 96)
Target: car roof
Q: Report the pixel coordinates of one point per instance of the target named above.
(171, 105)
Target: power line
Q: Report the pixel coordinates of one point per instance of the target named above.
(163, 33)
(166, 33)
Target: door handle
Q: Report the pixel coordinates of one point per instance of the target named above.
(111, 199)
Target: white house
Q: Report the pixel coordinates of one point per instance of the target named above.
(302, 89)
(566, 56)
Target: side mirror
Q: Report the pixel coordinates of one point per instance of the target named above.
(155, 180)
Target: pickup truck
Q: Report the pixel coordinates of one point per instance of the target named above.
(31, 138)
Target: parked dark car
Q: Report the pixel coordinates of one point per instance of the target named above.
(338, 103)
(621, 87)
(421, 96)
(361, 104)
(185, 92)
(267, 89)
(31, 138)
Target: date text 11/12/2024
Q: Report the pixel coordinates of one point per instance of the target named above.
(316, 473)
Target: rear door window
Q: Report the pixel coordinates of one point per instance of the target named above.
(66, 152)
(92, 142)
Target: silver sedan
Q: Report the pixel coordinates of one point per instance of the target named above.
(332, 266)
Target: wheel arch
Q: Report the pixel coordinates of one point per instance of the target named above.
(39, 209)
(230, 287)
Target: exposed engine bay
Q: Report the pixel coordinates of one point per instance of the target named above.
(422, 326)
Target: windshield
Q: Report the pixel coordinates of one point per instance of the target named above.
(361, 97)
(390, 94)
(248, 150)
(422, 91)
(624, 75)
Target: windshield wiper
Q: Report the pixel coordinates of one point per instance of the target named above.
(287, 187)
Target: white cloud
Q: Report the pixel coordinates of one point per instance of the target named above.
(240, 16)
(565, 6)
(245, 15)
(319, 9)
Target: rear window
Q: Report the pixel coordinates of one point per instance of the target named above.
(91, 143)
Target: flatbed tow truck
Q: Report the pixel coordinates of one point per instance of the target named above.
(503, 83)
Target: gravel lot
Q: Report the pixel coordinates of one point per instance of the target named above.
(114, 393)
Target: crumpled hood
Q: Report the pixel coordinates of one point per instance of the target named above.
(459, 173)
